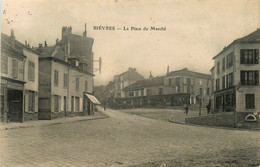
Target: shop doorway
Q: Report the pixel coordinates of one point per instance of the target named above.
(15, 105)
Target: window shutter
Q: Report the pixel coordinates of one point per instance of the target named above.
(257, 56)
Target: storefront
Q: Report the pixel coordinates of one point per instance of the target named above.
(12, 100)
(89, 104)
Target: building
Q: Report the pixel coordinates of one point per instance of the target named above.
(187, 86)
(19, 80)
(236, 77)
(66, 76)
(125, 79)
(144, 92)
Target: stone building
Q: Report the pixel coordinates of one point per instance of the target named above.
(19, 80)
(125, 79)
(66, 76)
(236, 77)
(188, 87)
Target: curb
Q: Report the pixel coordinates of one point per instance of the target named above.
(55, 123)
(216, 127)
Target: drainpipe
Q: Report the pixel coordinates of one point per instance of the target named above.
(68, 91)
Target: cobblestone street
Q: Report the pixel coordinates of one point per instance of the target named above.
(128, 140)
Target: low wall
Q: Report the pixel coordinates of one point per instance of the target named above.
(228, 119)
(222, 119)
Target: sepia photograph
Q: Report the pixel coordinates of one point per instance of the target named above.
(130, 83)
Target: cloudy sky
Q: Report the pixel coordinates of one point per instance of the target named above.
(196, 30)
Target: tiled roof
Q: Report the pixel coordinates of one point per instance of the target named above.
(186, 72)
(18, 46)
(145, 83)
(254, 37)
(52, 51)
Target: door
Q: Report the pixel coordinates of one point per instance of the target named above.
(15, 105)
(65, 105)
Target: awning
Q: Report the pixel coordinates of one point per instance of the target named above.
(92, 98)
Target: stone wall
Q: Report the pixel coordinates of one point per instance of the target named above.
(228, 119)
(222, 119)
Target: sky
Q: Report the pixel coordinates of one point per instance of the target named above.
(196, 30)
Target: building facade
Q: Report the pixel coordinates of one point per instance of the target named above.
(19, 81)
(236, 77)
(66, 77)
(125, 79)
(196, 86)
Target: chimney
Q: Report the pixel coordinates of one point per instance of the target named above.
(150, 77)
(57, 40)
(40, 45)
(85, 32)
(25, 43)
(45, 44)
(40, 48)
(168, 70)
(12, 38)
(66, 32)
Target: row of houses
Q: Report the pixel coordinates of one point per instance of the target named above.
(47, 82)
(176, 88)
(232, 86)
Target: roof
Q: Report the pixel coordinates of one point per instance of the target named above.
(145, 83)
(18, 46)
(254, 37)
(186, 72)
(52, 51)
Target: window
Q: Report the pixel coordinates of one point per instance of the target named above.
(56, 103)
(72, 103)
(86, 85)
(4, 64)
(249, 77)
(65, 80)
(77, 103)
(229, 60)
(223, 64)
(218, 67)
(217, 84)
(31, 71)
(77, 84)
(56, 77)
(170, 82)
(31, 101)
(142, 92)
(249, 56)
(149, 92)
(229, 80)
(200, 90)
(65, 103)
(131, 94)
(14, 68)
(208, 91)
(250, 101)
(160, 91)
(223, 82)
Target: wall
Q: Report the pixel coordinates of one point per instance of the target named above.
(20, 68)
(222, 119)
(44, 103)
(31, 85)
(245, 89)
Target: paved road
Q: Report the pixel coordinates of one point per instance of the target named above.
(128, 140)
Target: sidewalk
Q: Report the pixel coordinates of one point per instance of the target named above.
(62, 120)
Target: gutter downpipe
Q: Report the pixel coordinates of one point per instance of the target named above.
(23, 89)
(234, 64)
